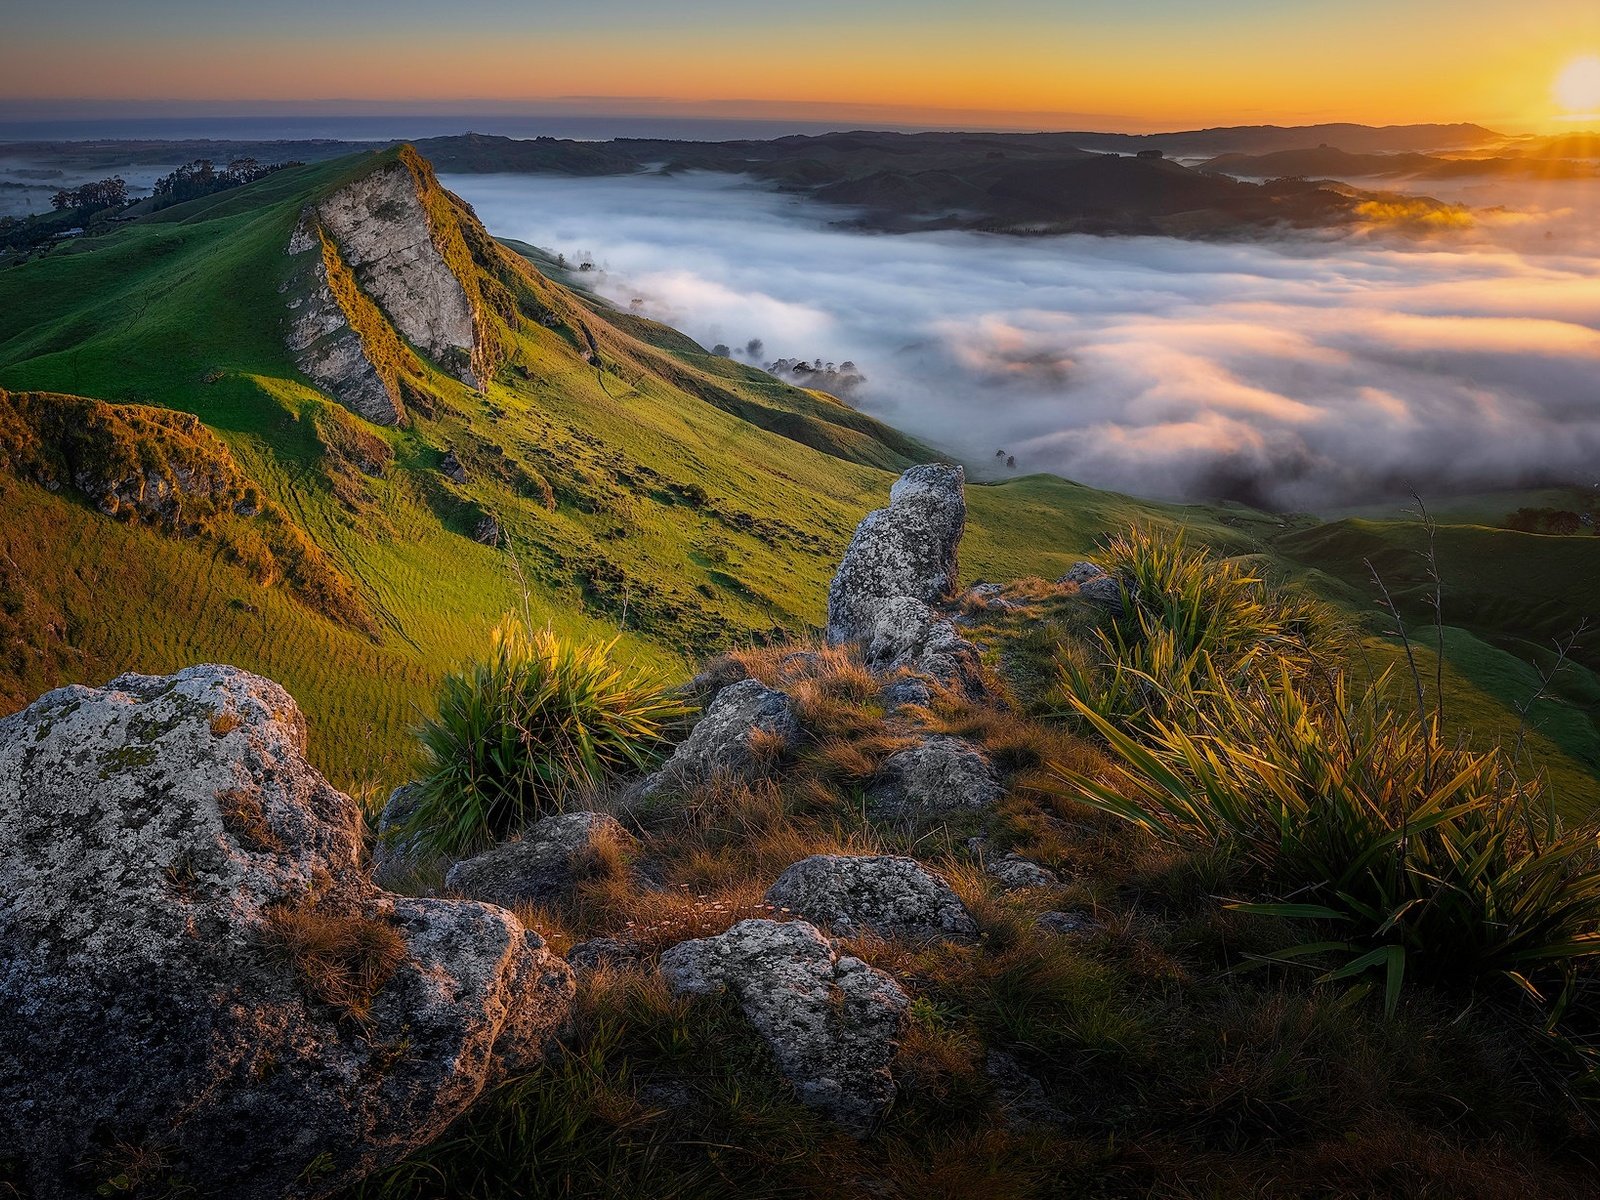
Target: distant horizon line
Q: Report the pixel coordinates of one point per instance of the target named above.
(27, 110)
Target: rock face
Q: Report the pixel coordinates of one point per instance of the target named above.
(383, 233)
(1103, 589)
(830, 1020)
(941, 774)
(194, 966)
(888, 895)
(908, 634)
(723, 740)
(1082, 572)
(552, 858)
(907, 549)
(324, 343)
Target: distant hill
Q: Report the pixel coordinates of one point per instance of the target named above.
(1267, 139)
(998, 182)
(1330, 162)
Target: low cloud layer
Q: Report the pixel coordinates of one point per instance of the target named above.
(1295, 374)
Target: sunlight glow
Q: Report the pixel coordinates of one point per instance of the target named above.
(1577, 87)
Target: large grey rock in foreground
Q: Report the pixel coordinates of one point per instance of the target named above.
(892, 896)
(723, 740)
(907, 549)
(830, 1019)
(194, 968)
(939, 775)
(553, 857)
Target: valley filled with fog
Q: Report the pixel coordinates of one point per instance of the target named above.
(1301, 372)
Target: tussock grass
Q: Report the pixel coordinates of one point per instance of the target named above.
(342, 960)
(516, 734)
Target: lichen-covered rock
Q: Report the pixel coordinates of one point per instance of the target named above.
(941, 774)
(909, 636)
(907, 549)
(396, 851)
(724, 740)
(547, 864)
(1016, 873)
(830, 1019)
(1105, 590)
(1082, 572)
(451, 468)
(194, 967)
(889, 895)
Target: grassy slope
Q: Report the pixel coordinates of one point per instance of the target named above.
(699, 502)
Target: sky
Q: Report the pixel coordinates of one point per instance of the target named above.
(1294, 373)
(1104, 64)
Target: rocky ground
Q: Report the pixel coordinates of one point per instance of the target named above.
(854, 865)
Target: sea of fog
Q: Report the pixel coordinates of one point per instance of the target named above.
(1296, 373)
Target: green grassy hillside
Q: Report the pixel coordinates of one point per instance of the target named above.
(639, 485)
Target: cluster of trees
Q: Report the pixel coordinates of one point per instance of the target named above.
(202, 178)
(839, 379)
(1549, 520)
(92, 197)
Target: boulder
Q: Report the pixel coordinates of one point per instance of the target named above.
(1016, 873)
(553, 857)
(941, 774)
(830, 1020)
(197, 972)
(889, 895)
(723, 740)
(451, 467)
(906, 549)
(907, 635)
(396, 853)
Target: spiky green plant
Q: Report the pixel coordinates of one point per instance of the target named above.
(517, 732)
(1411, 856)
(1187, 615)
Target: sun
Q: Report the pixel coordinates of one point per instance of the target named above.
(1577, 87)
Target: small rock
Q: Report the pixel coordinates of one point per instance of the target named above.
(888, 895)
(548, 864)
(1022, 1097)
(451, 467)
(396, 854)
(601, 952)
(722, 740)
(1104, 590)
(1016, 873)
(1065, 923)
(1081, 573)
(941, 774)
(906, 690)
(830, 1020)
(487, 530)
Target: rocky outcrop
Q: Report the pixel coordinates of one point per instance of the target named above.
(195, 969)
(939, 775)
(901, 562)
(887, 895)
(378, 280)
(546, 865)
(905, 550)
(830, 1019)
(746, 721)
(322, 334)
(133, 462)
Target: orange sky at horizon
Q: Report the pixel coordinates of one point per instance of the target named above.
(1245, 64)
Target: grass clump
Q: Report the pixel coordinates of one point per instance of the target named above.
(1414, 857)
(342, 960)
(515, 733)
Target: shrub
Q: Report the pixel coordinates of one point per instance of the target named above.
(518, 732)
(1410, 855)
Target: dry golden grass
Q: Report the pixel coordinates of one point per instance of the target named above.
(342, 960)
(242, 816)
